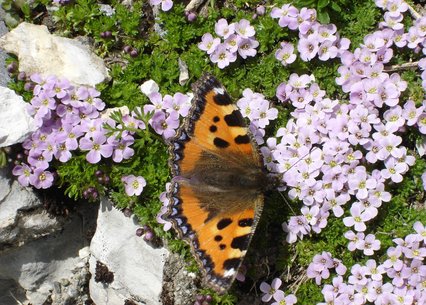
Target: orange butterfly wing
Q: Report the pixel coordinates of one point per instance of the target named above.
(216, 192)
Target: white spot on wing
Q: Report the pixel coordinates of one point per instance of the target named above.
(219, 90)
(229, 272)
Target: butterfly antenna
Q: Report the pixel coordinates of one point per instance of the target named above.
(288, 203)
(302, 158)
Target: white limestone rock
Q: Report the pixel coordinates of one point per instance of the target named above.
(149, 87)
(137, 266)
(15, 122)
(40, 52)
(184, 74)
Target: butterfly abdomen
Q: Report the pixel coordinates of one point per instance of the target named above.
(230, 180)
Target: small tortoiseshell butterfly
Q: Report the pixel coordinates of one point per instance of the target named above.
(216, 194)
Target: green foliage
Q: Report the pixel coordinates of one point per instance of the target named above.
(76, 176)
(225, 299)
(3, 158)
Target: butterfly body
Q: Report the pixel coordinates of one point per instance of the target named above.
(216, 194)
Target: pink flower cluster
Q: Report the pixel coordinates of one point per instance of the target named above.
(368, 128)
(166, 111)
(327, 178)
(68, 118)
(314, 38)
(321, 265)
(238, 38)
(358, 241)
(273, 291)
(398, 279)
(257, 109)
(164, 208)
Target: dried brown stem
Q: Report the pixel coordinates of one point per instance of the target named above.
(193, 5)
(404, 66)
(413, 12)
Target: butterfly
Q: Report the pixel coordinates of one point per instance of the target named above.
(218, 183)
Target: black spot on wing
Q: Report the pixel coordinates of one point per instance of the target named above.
(218, 238)
(222, 246)
(245, 222)
(231, 263)
(223, 223)
(222, 99)
(220, 143)
(245, 139)
(235, 119)
(213, 128)
(240, 242)
(216, 119)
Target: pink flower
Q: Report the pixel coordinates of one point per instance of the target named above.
(280, 298)
(165, 126)
(23, 172)
(270, 290)
(357, 219)
(247, 47)
(222, 56)
(96, 146)
(166, 5)
(133, 185)
(208, 43)
(420, 230)
(41, 179)
(222, 28)
(286, 53)
(244, 29)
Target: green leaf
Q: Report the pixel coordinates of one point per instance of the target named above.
(26, 10)
(3, 158)
(322, 4)
(336, 7)
(323, 17)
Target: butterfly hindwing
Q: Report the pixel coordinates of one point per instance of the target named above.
(219, 244)
(215, 197)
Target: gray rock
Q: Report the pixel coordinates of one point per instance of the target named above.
(38, 252)
(11, 292)
(179, 285)
(137, 267)
(67, 58)
(4, 76)
(36, 265)
(22, 217)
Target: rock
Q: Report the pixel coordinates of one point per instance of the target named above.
(15, 122)
(11, 292)
(73, 290)
(179, 286)
(22, 217)
(184, 74)
(149, 87)
(107, 112)
(136, 266)
(4, 76)
(40, 52)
